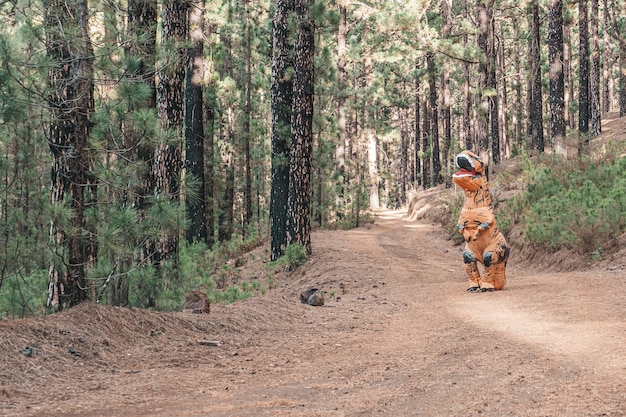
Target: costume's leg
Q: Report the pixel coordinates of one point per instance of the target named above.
(497, 275)
(495, 259)
(472, 271)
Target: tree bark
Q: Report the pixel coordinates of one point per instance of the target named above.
(616, 31)
(594, 76)
(622, 80)
(140, 54)
(340, 152)
(71, 102)
(226, 213)
(404, 156)
(482, 109)
(583, 72)
(194, 124)
(568, 76)
(607, 79)
(281, 91)
(299, 202)
(418, 133)
(167, 163)
(247, 115)
(370, 134)
(557, 84)
(434, 124)
(536, 116)
(446, 14)
(426, 147)
(467, 132)
(486, 42)
(142, 28)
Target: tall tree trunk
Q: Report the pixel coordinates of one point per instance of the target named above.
(594, 76)
(140, 54)
(467, 96)
(583, 72)
(568, 76)
(482, 106)
(486, 42)
(210, 167)
(622, 80)
(247, 134)
(340, 151)
(557, 84)
(404, 155)
(434, 108)
(227, 201)
(210, 120)
(370, 134)
(281, 91)
(618, 34)
(502, 81)
(71, 104)
(418, 133)
(299, 202)
(227, 156)
(426, 147)
(536, 117)
(167, 163)
(607, 79)
(142, 28)
(194, 124)
(446, 14)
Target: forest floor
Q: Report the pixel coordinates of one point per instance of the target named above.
(398, 335)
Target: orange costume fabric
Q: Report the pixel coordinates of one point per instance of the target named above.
(484, 243)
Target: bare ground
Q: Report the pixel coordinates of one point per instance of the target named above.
(398, 336)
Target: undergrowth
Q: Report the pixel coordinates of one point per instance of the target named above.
(215, 271)
(574, 204)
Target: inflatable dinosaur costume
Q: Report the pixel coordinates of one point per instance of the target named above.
(484, 243)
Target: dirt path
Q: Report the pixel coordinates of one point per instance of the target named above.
(398, 336)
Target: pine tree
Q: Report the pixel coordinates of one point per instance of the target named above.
(281, 89)
(617, 28)
(194, 125)
(470, 141)
(434, 119)
(583, 71)
(368, 121)
(594, 75)
(299, 203)
(167, 163)
(71, 105)
(557, 85)
(486, 43)
(247, 115)
(536, 100)
(418, 135)
(340, 153)
(446, 13)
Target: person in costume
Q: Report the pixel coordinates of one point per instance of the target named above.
(484, 243)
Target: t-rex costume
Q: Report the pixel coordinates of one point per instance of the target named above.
(484, 243)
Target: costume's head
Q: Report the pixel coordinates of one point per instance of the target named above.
(470, 177)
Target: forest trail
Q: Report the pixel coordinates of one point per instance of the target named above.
(398, 336)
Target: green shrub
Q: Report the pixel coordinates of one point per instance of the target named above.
(579, 205)
(296, 255)
(24, 296)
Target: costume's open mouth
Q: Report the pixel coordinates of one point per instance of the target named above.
(466, 167)
(464, 172)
